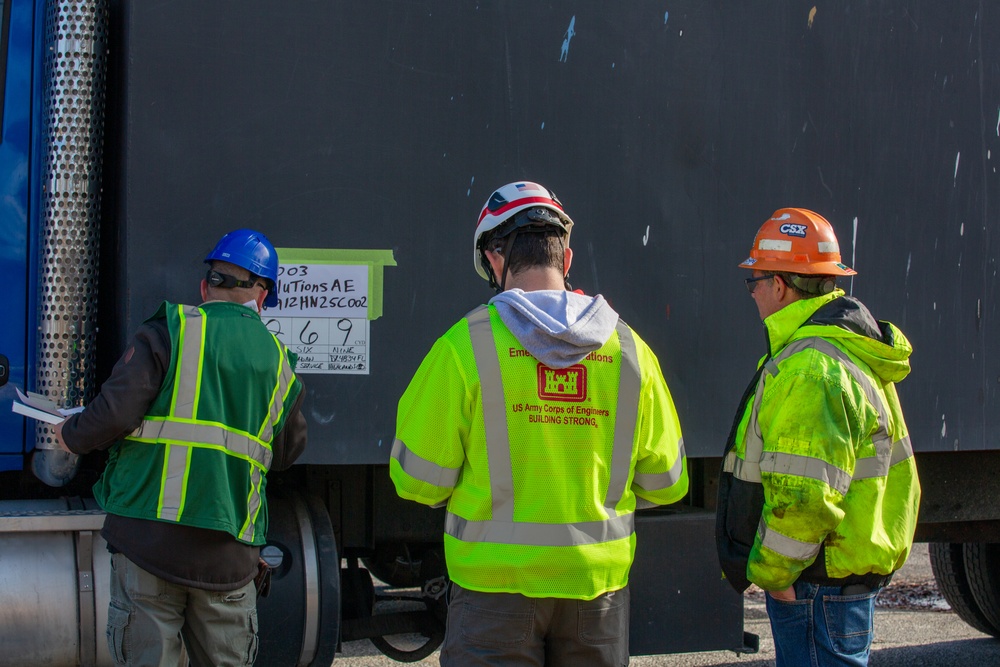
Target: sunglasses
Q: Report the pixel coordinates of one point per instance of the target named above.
(226, 281)
(751, 283)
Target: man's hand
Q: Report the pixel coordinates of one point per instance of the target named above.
(57, 428)
(787, 595)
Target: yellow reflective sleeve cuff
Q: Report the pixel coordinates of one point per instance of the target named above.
(776, 559)
(663, 488)
(420, 480)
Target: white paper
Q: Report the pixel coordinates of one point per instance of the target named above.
(322, 316)
(41, 408)
(321, 290)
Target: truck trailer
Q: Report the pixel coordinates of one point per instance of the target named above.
(363, 138)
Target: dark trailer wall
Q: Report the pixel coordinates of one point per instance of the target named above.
(671, 130)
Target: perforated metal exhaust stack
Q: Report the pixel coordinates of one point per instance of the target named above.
(75, 68)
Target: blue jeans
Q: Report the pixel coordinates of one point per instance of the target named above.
(822, 627)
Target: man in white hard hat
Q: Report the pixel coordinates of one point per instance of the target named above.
(542, 421)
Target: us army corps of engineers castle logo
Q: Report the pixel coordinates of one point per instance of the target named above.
(562, 384)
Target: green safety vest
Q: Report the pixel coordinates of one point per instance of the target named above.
(200, 456)
(540, 467)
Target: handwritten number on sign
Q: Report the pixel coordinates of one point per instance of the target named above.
(293, 270)
(347, 331)
(274, 326)
(311, 338)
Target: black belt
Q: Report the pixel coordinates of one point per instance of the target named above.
(868, 583)
(855, 584)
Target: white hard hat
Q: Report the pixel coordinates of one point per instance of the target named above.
(508, 201)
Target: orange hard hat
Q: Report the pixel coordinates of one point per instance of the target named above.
(797, 240)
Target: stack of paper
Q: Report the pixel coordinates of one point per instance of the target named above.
(38, 407)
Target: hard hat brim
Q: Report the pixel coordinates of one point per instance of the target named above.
(830, 268)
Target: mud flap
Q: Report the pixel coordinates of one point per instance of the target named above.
(680, 601)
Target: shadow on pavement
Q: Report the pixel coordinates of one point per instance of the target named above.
(981, 651)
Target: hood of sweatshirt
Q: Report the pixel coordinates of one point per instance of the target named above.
(557, 327)
(837, 316)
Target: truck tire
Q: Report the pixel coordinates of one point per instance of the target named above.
(299, 620)
(982, 570)
(948, 565)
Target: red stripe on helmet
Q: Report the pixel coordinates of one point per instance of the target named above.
(520, 202)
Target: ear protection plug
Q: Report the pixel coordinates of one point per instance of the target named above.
(815, 284)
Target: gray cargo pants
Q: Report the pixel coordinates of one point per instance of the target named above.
(486, 629)
(148, 617)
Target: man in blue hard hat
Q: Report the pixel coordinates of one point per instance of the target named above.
(203, 403)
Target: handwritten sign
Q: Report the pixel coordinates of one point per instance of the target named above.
(322, 316)
(324, 344)
(322, 290)
(327, 299)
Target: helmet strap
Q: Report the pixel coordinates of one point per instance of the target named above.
(489, 271)
(226, 281)
(506, 254)
(569, 288)
(508, 247)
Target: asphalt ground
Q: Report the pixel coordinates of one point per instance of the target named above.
(913, 627)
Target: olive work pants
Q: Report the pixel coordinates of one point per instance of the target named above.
(148, 617)
(508, 629)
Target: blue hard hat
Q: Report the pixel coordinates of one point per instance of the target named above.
(251, 250)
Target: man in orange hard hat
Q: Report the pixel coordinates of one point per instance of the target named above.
(818, 494)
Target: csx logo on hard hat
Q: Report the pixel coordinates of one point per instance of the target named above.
(793, 230)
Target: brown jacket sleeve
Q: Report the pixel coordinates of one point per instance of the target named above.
(289, 443)
(134, 384)
(126, 396)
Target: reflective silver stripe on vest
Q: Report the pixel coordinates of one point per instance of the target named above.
(281, 389)
(626, 414)
(806, 466)
(253, 504)
(173, 486)
(748, 468)
(494, 415)
(200, 434)
(786, 546)
(540, 534)
(502, 528)
(887, 453)
(188, 362)
(183, 404)
(874, 466)
(664, 480)
(421, 469)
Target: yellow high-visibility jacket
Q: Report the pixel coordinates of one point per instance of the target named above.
(540, 468)
(819, 481)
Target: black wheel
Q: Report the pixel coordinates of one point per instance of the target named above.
(305, 584)
(948, 564)
(418, 645)
(432, 600)
(982, 569)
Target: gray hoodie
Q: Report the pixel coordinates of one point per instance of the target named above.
(557, 327)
